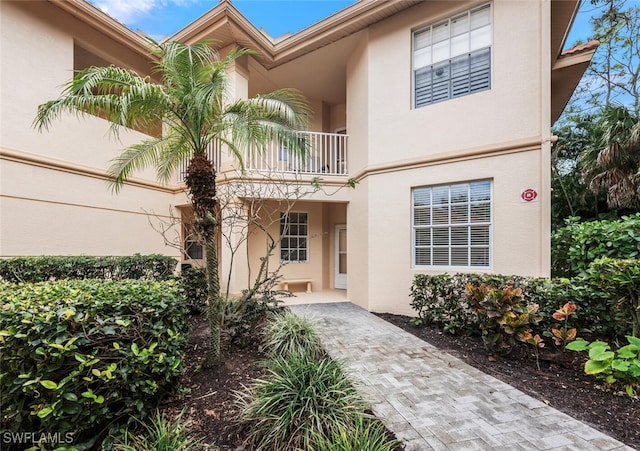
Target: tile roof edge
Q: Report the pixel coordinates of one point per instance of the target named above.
(591, 45)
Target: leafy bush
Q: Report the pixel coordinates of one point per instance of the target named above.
(440, 300)
(43, 268)
(303, 397)
(194, 285)
(84, 356)
(620, 280)
(502, 315)
(593, 316)
(621, 366)
(577, 244)
(243, 317)
(287, 334)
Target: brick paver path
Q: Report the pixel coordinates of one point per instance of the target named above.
(432, 400)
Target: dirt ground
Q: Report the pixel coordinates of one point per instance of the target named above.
(209, 402)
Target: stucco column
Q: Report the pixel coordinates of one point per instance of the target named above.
(235, 271)
(545, 132)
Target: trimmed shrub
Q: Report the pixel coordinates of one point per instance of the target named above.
(88, 356)
(440, 300)
(43, 268)
(576, 245)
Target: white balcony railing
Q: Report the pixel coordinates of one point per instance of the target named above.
(326, 155)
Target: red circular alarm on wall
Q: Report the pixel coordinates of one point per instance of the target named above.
(529, 195)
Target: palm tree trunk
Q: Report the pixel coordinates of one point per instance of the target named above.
(214, 302)
(201, 181)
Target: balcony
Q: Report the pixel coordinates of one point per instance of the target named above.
(326, 155)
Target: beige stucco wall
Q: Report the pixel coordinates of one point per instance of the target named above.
(508, 111)
(54, 198)
(499, 134)
(516, 237)
(61, 205)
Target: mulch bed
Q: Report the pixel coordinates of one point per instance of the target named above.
(209, 402)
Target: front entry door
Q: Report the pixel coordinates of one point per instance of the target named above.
(341, 257)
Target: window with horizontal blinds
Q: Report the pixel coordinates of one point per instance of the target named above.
(294, 233)
(452, 58)
(451, 225)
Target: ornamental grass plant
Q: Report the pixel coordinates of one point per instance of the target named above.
(287, 334)
(367, 433)
(303, 397)
(161, 434)
(306, 401)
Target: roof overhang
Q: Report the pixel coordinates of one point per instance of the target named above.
(225, 25)
(105, 24)
(566, 73)
(567, 67)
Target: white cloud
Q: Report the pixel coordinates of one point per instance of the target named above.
(126, 11)
(130, 12)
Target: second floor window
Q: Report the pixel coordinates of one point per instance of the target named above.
(452, 58)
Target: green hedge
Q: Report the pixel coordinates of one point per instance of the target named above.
(86, 356)
(52, 267)
(440, 300)
(576, 245)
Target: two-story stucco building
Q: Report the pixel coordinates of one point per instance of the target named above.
(440, 110)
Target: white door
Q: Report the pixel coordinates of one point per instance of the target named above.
(341, 257)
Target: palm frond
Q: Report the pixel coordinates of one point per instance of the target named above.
(190, 102)
(120, 95)
(279, 116)
(173, 151)
(133, 158)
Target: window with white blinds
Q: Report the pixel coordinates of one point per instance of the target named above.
(452, 225)
(452, 58)
(294, 232)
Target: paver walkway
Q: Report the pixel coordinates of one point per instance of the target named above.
(432, 400)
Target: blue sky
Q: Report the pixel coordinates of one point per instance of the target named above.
(161, 18)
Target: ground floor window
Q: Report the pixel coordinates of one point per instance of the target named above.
(294, 231)
(451, 225)
(192, 244)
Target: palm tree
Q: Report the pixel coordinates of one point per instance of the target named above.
(611, 164)
(191, 104)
